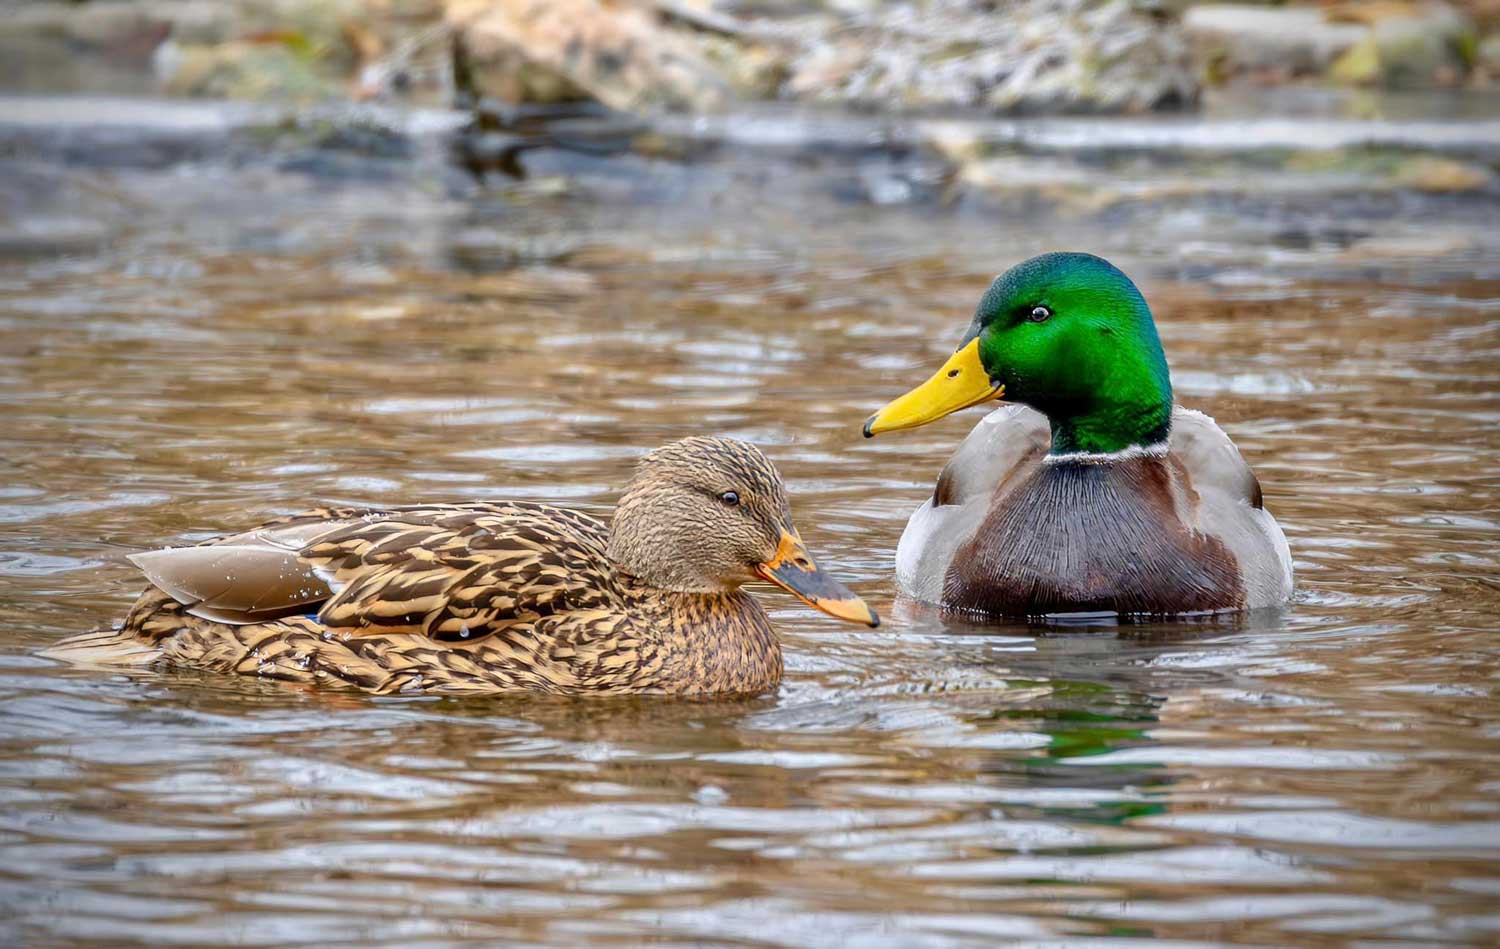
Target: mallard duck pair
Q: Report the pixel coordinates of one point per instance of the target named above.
(1090, 493)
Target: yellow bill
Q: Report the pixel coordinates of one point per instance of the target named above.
(793, 570)
(961, 382)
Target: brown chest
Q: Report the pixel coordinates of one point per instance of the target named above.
(718, 643)
(1082, 537)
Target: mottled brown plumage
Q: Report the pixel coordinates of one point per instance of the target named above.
(495, 596)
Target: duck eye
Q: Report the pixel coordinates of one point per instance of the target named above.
(730, 498)
(1039, 314)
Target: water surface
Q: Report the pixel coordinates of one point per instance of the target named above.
(190, 345)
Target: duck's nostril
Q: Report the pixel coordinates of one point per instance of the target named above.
(953, 373)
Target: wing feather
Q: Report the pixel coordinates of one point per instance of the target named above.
(459, 574)
(451, 572)
(234, 583)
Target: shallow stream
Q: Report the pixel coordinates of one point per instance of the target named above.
(192, 342)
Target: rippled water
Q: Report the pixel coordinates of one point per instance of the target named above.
(207, 344)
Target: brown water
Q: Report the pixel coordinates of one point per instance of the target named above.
(214, 345)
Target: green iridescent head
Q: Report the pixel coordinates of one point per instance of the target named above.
(1070, 336)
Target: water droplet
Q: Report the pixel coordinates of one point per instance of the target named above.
(711, 794)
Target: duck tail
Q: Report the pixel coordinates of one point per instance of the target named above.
(103, 647)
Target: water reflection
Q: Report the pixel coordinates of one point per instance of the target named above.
(243, 342)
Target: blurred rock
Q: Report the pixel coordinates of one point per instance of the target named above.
(699, 56)
(1233, 38)
(1065, 186)
(1436, 47)
(46, 236)
(1359, 65)
(1392, 43)
(1089, 184)
(1033, 56)
(752, 70)
(1119, 60)
(1431, 246)
(1437, 174)
(1487, 56)
(1030, 56)
(1407, 46)
(56, 47)
(619, 54)
(255, 71)
(207, 47)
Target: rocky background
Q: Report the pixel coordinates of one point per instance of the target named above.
(704, 56)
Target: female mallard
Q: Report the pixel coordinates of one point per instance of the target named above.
(495, 596)
(1094, 493)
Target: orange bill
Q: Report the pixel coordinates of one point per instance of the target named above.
(793, 570)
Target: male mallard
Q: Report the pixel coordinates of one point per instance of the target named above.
(1094, 493)
(494, 596)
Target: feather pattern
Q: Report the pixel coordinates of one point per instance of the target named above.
(474, 597)
(463, 572)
